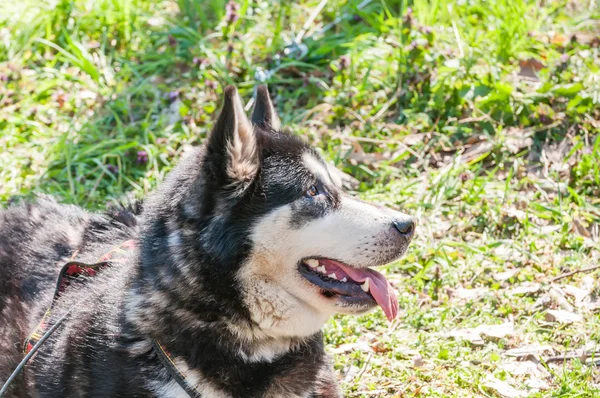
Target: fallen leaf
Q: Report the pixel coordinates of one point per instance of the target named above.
(351, 373)
(380, 347)
(526, 288)
(536, 384)
(476, 151)
(528, 68)
(588, 282)
(502, 388)
(524, 368)
(550, 229)
(470, 335)
(469, 294)
(586, 38)
(418, 362)
(475, 138)
(580, 229)
(349, 347)
(440, 228)
(478, 335)
(578, 294)
(506, 275)
(514, 213)
(497, 331)
(562, 316)
(527, 350)
(558, 295)
(413, 139)
(558, 39)
(516, 140)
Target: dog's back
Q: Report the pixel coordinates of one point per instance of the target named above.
(35, 241)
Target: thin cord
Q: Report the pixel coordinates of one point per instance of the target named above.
(37, 345)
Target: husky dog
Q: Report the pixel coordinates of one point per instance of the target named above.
(240, 257)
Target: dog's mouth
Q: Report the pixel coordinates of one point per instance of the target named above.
(356, 286)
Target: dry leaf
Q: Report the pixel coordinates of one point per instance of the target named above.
(580, 229)
(514, 213)
(478, 335)
(418, 362)
(475, 151)
(380, 347)
(536, 384)
(495, 332)
(578, 294)
(475, 138)
(525, 368)
(562, 316)
(470, 335)
(532, 349)
(351, 373)
(469, 294)
(413, 139)
(558, 39)
(528, 68)
(558, 295)
(506, 275)
(440, 228)
(526, 288)
(502, 388)
(349, 347)
(517, 140)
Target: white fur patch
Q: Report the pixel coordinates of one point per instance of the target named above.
(316, 167)
(272, 305)
(284, 303)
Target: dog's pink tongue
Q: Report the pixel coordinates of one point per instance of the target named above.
(380, 289)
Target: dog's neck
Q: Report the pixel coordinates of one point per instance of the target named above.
(162, 303)
(212, 351)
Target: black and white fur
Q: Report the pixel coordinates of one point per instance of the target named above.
(214, 275)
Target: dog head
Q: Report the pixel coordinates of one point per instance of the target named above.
(272, 215)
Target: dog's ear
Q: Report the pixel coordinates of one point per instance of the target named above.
(232, 148)
(264, 113)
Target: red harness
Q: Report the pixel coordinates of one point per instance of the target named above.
(71, 271)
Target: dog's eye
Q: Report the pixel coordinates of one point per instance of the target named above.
(312, 191)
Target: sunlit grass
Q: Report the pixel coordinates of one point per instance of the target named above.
(479, 118)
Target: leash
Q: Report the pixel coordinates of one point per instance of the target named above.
(31, 352)
(174, 372)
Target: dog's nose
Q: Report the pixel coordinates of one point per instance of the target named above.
(405, 227)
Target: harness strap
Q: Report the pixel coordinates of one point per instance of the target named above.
(174, 372)
(73, 271)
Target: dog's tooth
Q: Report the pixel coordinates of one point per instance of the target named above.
(344, 279)
(322, 269)
(312, 263)
(365, 286)
(332, 275)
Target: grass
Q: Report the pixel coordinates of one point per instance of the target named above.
(479, 118)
